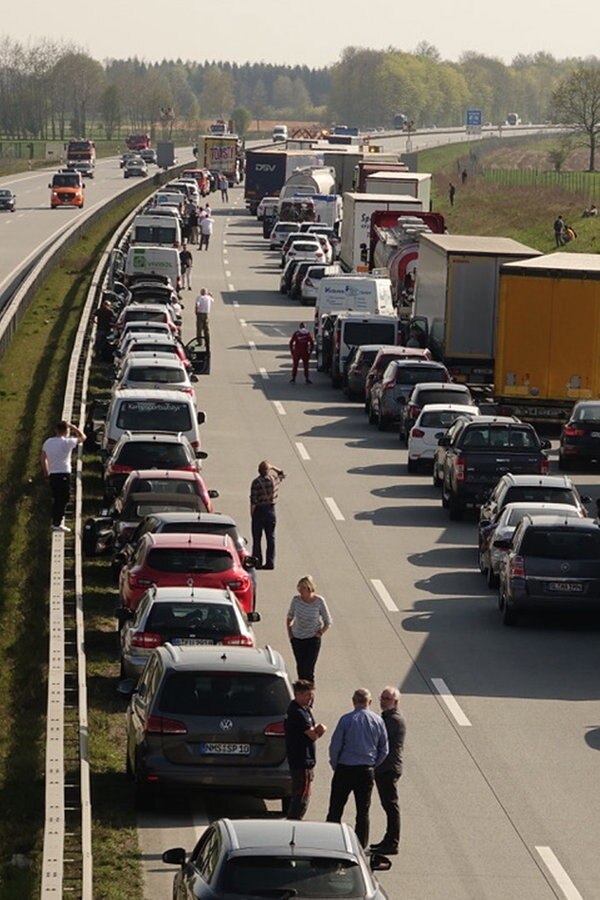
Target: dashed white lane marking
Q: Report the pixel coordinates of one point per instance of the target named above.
(451, 704)
(263, 374)
(279, 407)
(227, 274)
(563, 881)
(252, 345)
(302, 451)
(231, 287)
(334, 509)
(243, 323)
(224, 243)
(384, 595)
(235, 303)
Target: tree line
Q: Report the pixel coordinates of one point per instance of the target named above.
(51, 91)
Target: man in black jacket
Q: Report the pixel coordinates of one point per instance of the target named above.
(301, 734)
(390, 770)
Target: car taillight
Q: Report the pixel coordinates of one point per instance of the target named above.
(413, 411)
(161, 725)
(573, 431)
(146, 639)
(188, 390)
(238, 640)
(275, 729)
(417, 433)
(517, 567)
(544, 466)
(118, 470)
(460, 467)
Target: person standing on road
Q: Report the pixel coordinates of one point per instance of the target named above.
(358, 744)
(301, 346)
(186, 259)
(202, 306)
(55, 461)
(301, 735)
(308, 619)
(206, 229)
(390, 770)
(224, 188)
(264, 493)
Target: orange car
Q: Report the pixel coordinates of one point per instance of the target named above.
(66, 189)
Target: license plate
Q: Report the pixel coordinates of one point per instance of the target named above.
(190, 642)
(566, 587)
(595, 434)
(225, 749)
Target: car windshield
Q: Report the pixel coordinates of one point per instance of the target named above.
(141, 510)
(415, 374)
(5, 193)
(151, 415)
(157, 374)
(442, 418)
(538, 493)
(204, 619)
(501, 436)
(303, 247)
(561, 543)
(204, 561)
(145, 315)
(304, 876)
(441, 396)
(589, 413)
(150, 454)
(224, 694)
(66, 180)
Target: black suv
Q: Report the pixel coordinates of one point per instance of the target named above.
(212, 718)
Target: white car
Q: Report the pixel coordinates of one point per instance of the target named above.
(279, 234)
(305, 250)
(310, 283)
(159, 373)
(432, 423)
(267, 203)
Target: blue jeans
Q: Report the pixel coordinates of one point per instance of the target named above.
(263, 522)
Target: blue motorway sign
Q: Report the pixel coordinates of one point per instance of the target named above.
(474, 117)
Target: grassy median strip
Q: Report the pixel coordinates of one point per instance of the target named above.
(32, 378)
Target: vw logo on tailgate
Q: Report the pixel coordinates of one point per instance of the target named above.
(225, 724)
(564, 567)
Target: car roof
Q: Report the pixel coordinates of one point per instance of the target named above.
(541, 480)
(154, 395)
(160, 437)
(192, 595)
(153, 474)
(282, 835)
(451, 407)
(441, 386)
(563, 522)
(150, 362)
(182, 539)
(189, 517)
(240, 659)
(501, 420)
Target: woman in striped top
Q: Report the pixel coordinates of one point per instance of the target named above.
(308, 619)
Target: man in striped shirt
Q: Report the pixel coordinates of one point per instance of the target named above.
(264, 493)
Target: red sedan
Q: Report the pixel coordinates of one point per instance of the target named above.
(180, 560)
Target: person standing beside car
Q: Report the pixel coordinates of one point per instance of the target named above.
(308, 619)
(301, 734)
(264, 494)
(206, 229)
(56, 465)
(186, 259)
(202, 306)
(390, 770)
(301, 346)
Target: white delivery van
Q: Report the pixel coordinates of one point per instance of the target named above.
(134, 409)
(280, 133)
(352, 329)
(155, 231)
(356, 293)
(152, 262)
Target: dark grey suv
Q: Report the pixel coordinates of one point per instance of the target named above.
(209, 718)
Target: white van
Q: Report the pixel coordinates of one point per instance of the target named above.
(155, 231)
(352, 329)
(367, 294)
(142, 262)
(280, 133)
(132, 409)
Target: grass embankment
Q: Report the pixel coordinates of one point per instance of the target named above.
(523, 213)
(32, 377)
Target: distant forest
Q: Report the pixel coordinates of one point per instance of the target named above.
(52, 91)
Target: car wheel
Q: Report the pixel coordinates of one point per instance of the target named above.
(380, 420)
(372, 416)
(482, 565)
(90, 537)
(436, 478)
(510, 617)
(411, 465)
(491, 578)
(445, 496)
(285, 805)
(455, 508)
(402, 435)
(367, 408)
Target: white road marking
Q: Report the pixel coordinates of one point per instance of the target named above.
(563, 881)
(302, 451)
(452, 705)
(384, 595)
(231, 287)
(264, 374)
(252, 345)
(224, 243)
(243, 323)
(279, 407)
(227, 274)
(235, 303)
(334, 509)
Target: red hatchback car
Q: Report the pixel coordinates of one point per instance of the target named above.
(186, 560)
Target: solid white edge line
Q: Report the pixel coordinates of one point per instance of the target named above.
(235, 303)
(302, 451)
(384, 595)
(279, 407)
(334, 509)
(264, 374)
(252, 345)
(230, 287)
(451, 703)
(558, 873)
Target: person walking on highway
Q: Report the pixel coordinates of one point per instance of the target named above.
(193, 225)
(206, 229)
(358, 744)
(202, 306)
(186, 259)
(301, 735)
(55, 461)
(264, 494)
(390, 770)
(308, 619)
(301, 346)
(224, 188)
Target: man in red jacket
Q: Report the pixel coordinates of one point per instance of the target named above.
(301, 346)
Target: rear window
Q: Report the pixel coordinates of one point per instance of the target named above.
(164, 486)
(561, 544)
(315, 274)
(539, 494)
(224, 694)
(141, 347)
(141, 315)
(439, 419)
(501, 436)
(437, 396)
(151, 415)
(303, 247)
(416, 374)
(204, 619)
(356, 333)
(200, 560)
(156, 374)
(292, 876)
(148, 454)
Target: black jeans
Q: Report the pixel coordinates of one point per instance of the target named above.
(387, 788)
(60, 485)
(357, 780)
(302, 780)
(264, 520)
(306, 653)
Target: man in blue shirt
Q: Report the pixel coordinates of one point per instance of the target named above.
(358, 744)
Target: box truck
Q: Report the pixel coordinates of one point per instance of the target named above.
(268, 169)
(356, 224)
(548, 344)
(416, 184)
(456, 299)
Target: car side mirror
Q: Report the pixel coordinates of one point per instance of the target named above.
(201, 454)
(127, 687)
(253, 617)
(249, 562)
(444, 441)
(502, 544)
(194, 379)
(546, 444)
(174, 857)
(586, 500)
(213, 494)
(379, 863)
(201, 417)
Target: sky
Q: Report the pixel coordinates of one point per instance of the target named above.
(307, 32)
